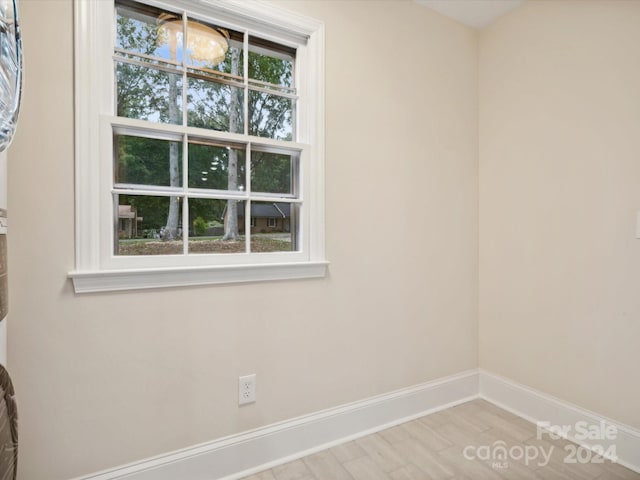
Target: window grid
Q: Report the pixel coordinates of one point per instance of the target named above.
(185, 192)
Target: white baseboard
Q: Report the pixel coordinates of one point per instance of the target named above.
(239, 455)
(236, 456)
(536, 407)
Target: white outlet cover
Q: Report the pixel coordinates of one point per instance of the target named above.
(247, 389)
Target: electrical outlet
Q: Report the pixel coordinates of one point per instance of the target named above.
(247, 389)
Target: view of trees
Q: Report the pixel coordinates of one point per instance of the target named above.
(151, 88)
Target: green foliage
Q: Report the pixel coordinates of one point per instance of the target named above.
(152, 210)
(144, 161)
(209, 165)
(136, 35)
(270, 115)
(269, 69)
(271, 172)
(211, 211)
(199, 226)
(138, 86)
(209, 105)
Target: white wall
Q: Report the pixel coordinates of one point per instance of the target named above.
(559, 190)
(108, 379)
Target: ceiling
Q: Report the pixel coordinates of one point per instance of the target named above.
(475, 13)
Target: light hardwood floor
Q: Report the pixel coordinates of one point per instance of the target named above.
(433, 447)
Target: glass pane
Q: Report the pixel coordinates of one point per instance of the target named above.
(138, 30)
(216, 167)
(148, 94)
(215, 106)
(272, 172)
(214, 48)
(147, 161)
(270, 62)
(148, 225)
(274, 227)
(213, 229)
(270, 115)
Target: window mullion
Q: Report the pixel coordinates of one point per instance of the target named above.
(184, 69)
(247, 226)
(115, 201)
(185, 225)
(247, 204)
(275, 93)
(185, 141)
(245, 71)
(185, 198)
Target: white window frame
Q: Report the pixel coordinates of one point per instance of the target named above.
(97, 268)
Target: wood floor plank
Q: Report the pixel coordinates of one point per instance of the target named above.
(495, 438)
(381, 452)
(348, 451)
(434, 420)
(364, 468)
(427, 435)
(510, 468)
(565, 472)
(475, 469)
(409, 472)
(517, 428)
(419, 455)
(394, 434)
(466, 416)
(554, 449)
(296, 470)
(433, 447)
(584, 470)
(325, 466)
(266, 475)
(456, 435)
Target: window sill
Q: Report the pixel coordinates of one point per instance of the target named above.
(137, 279)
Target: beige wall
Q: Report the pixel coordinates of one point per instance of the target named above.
(112, 378)
(559, 190)
(108, 379)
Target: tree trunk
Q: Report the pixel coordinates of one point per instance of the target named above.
(231, 224)
(171, 229)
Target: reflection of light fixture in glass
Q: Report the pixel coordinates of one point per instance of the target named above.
(205, 44)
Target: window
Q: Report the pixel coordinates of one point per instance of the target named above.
(191, 119)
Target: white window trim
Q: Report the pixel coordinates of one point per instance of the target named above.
(93, 39)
